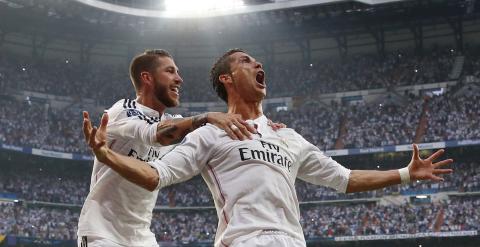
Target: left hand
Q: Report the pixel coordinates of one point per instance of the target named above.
(96, 138)
(425, 169)
(276, 126)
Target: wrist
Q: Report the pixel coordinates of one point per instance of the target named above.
(404, 175)
(201, 120)
(207, 118)
(103, 155)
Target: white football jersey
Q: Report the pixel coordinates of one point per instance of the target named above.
(252, 181)
(116, 209)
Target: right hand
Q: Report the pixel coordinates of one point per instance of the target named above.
(233, 124)
(96, 138)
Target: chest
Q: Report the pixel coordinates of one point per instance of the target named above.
(268, 150)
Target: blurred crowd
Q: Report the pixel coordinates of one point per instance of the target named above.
(362, 125)
(332, 126)
(45, 186)
(36, 124)
(43, 223)
(319, 221)
(365, 219)
(107, 83)
(360, 72)
(73, 188)
(318, 125)
(379, 125)
(453, 117)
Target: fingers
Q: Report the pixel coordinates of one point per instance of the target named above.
(86, 115)
(92, 140)
(87, 126)
(276, 126)
(104, 122)
(436, 178)
(240, 130)
(86, 130)
(416, 155)
(273, 125)
(442, 163)
(436, 155)
(229, 132)
(442, 171)
(250, 128)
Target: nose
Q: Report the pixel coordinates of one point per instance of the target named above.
(178, 79)
(258, 65)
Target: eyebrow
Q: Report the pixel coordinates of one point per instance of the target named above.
(245, 56)
(172, 67)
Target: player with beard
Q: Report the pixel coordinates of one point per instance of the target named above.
(116, 211)
(252, 182)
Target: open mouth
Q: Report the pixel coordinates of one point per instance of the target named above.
(260, 77)
(176, 89)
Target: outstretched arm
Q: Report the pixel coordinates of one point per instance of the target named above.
(133, 170)
(417, 169)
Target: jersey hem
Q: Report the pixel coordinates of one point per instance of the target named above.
(110, 238)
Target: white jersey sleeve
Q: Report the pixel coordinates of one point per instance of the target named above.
(187, 159)
(317, 168)
(126, 121)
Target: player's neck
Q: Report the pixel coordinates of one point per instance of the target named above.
(151, 103)
(248, 110)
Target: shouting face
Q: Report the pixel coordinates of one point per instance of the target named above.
(248, 77)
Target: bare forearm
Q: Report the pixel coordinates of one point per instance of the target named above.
(364, 180)
(174, 130)
(135, 171)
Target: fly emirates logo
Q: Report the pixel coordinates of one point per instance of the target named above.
(270, 153)
(152, 155)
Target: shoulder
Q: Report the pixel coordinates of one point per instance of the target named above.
(208, 129)
(209, 132)
(289, 132)
(127, 109)
(123, 105)
(293, 136)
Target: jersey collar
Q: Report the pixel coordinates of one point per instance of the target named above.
(260, 123)
(262, 120)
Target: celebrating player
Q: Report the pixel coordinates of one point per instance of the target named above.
(117, 212)
(252, 182)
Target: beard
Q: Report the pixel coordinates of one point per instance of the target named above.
(162, 94)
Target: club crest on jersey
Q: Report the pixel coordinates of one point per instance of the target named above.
(133, 113)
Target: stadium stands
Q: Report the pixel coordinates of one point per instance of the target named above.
(107, 83)
(457, 214)
(62, 187)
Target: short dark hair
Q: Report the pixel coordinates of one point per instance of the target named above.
(220, 67)
(146, 61)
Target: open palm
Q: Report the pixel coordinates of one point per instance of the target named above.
(426, 169)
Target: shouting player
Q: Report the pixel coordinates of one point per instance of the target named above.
(252, 182)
